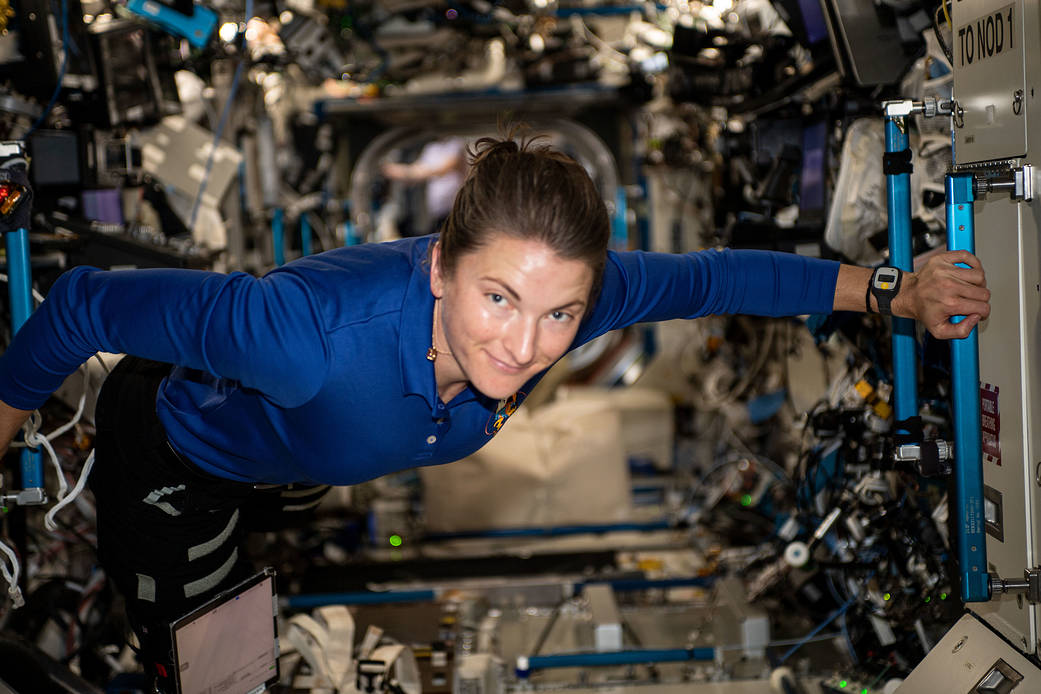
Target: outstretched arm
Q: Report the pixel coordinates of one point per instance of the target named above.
(266, 333)
(932, 296)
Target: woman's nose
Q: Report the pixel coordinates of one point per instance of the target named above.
(520, 342)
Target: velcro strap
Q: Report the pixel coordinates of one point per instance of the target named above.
(897, 162)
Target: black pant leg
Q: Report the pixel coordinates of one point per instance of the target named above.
(169, 535)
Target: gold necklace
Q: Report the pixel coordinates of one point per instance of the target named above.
(434, 351)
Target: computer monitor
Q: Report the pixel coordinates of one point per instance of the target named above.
(812, 189)
(230, 644)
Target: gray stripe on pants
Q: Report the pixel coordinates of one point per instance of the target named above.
(206, 582)
(212, 545)
(145, 588)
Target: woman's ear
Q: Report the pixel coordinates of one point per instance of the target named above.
(437, 281)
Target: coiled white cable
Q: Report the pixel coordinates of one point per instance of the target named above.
(79, 408)
(63, 501)
(31, 429)
(11, 575)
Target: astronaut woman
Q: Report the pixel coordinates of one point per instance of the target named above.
(350, 364)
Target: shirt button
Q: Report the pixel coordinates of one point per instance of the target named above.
(431, 439)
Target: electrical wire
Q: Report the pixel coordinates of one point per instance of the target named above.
(849, 641)
(216, 143)
(75, 418)
(802, 640)
(11, 575)
(939, 34)
(31, 428)
(64, 427)
(828, 620)
(63, 501)
(541, 641)
(36, 295)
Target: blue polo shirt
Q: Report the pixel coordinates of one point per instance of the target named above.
(317, 372)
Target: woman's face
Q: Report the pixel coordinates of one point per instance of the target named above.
(509, 310)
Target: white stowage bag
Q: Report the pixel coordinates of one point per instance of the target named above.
(858, 207)
(563, 464)
(648, 429)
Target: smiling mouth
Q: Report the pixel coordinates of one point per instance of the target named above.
(503, 366)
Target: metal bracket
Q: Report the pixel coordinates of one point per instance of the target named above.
(931, 458)
(1029, 586)
(35, 496)
(26, 497)
(1018, 183)
(928, 107)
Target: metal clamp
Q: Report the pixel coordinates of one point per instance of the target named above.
(34, 496)
(931, 458)
(1029, 586)
(928, 107)
(1024, 183)
(1018, 183)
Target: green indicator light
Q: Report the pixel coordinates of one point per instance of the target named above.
(928, 599)
(863, 691)
(746, 499)
(886, 596)
(843, 684)
(943, 596)
(395, 540)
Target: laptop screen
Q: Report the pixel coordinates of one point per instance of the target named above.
(230, 644)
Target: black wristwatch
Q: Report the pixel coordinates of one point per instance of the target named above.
(884, 285)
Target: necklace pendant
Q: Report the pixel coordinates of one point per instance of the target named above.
(432, 353)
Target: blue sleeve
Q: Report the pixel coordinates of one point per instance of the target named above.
(643, 287)
(266, 333)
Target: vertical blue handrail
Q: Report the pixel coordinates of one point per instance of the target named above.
(20, 288)
(965, 380)
(898, 198)
(305, 235)
(278, 236)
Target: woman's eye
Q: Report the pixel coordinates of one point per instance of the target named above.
(497, 299)
(560, 316)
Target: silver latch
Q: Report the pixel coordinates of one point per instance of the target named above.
(1029, 586)
(931, 458)
(929, 107)
(26, 497)
(1018, 183)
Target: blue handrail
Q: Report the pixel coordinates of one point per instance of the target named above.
(965, 382)
(19, 276)
(898, 197)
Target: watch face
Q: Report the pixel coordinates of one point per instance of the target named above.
(885, 279)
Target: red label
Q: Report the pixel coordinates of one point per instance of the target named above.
(990, 423)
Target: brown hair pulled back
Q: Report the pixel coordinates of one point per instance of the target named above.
(527, 190)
